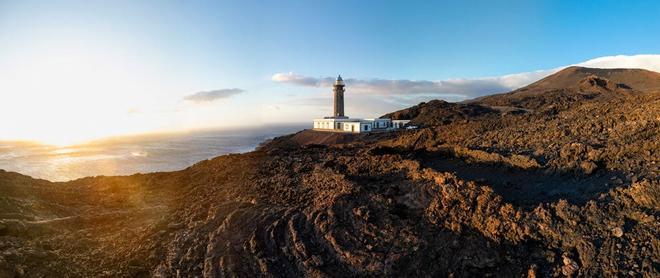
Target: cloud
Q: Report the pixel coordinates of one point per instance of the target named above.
(133, 110)
(453, 89)
(301, 80)
(461, 89)
(648, 62)
(208, 96)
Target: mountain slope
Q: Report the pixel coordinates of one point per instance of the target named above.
(555, 92)
(575, 84)
(638, 79)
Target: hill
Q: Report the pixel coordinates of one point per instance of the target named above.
(438, 112)
(638, 79)
(567, 187)
(575, 84)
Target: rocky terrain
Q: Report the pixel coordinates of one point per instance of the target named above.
(438, 112)
(560, 178)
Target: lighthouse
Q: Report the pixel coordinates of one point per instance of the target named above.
(338, 89)
(338, 122)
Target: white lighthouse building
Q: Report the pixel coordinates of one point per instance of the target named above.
(341, 123)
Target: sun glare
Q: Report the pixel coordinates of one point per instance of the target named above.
(58, 140)
(66, 91)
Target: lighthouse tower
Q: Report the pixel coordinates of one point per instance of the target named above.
(338, 89)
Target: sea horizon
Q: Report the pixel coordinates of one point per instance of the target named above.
(133, 154)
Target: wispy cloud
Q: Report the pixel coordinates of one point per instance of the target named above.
(455, 89)
(461, 89)
(208, 96)
(301, 80)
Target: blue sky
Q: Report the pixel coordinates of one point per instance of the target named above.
(172, 49)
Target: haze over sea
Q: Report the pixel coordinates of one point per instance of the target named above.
(132, 154)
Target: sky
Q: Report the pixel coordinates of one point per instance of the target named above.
(80, 70)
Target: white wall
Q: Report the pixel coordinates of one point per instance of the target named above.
(355, 127)
(352, 127)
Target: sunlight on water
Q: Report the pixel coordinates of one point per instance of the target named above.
(140, 154)
(64, 151)
(129, 155)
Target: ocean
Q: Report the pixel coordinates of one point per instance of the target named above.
(132, 154)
